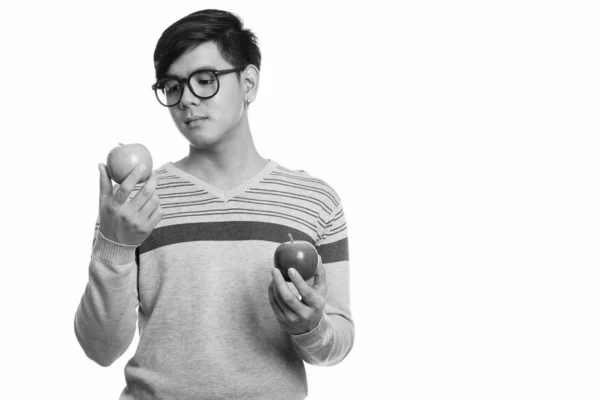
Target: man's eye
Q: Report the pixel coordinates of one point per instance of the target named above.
(171, 89)
(206, 81)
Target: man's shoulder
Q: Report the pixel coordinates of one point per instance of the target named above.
(302, 177)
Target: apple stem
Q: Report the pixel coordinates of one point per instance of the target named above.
(121, 144)
(291, 238)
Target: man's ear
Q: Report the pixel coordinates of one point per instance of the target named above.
(250, 79)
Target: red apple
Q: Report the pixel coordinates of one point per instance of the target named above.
(123, 159)
(297, 254)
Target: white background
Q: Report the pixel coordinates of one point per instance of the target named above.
(462, 137)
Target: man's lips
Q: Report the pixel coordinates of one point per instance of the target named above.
(194, 118)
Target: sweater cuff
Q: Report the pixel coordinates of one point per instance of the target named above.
(313, 336)
(112, 252)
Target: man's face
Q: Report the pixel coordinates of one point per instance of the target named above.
(221, 113)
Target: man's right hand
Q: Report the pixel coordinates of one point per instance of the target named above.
(128, 222)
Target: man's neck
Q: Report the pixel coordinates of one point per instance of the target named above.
(225, 167)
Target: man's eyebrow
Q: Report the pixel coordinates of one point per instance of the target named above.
(200, 68)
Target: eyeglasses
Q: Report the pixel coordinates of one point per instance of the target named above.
(203, 84)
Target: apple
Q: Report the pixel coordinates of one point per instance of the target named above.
(297, 254)
(123, 159)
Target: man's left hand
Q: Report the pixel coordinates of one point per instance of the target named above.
(295, 315)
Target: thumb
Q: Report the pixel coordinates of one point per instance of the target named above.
(105, 184)
(320, 282)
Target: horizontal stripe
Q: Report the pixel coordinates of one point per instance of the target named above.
(301, 178)
(239, 211)
(221, 231)
(289, 206)
(299, 186)
(291, 195)
(334, 252)
(177, 194)
(204, 202)
(307, 178)
(169, 185)
(338, 229)
(183, 194)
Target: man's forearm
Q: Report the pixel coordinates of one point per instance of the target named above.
(106, 318)
(327, 344)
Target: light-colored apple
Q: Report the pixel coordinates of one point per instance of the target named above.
(124, 158)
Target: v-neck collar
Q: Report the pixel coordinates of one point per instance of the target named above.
(223, 195)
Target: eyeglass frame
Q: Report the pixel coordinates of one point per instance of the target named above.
(186, 81)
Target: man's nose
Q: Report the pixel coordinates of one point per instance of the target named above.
(188, 98)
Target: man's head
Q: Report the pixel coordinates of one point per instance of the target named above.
(238, 46)
(211, 40)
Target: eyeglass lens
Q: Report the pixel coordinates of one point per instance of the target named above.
(204, 84)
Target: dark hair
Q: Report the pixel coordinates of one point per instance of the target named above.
(238, 46)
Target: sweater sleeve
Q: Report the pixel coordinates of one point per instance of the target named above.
(333, 338)
(105, 320)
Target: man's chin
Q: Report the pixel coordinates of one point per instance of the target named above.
(203, 139)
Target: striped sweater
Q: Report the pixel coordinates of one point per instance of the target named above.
(200, 282)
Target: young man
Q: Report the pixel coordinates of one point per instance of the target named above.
(194, 245)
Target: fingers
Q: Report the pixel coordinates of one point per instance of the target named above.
(320, 282)
(274, 305)
(309, 295)
(156, 215)
(147, 209)
(129, 183)
(151, 209)
(145, 194)
(287, 300)
(286, 312)
(105, 184)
